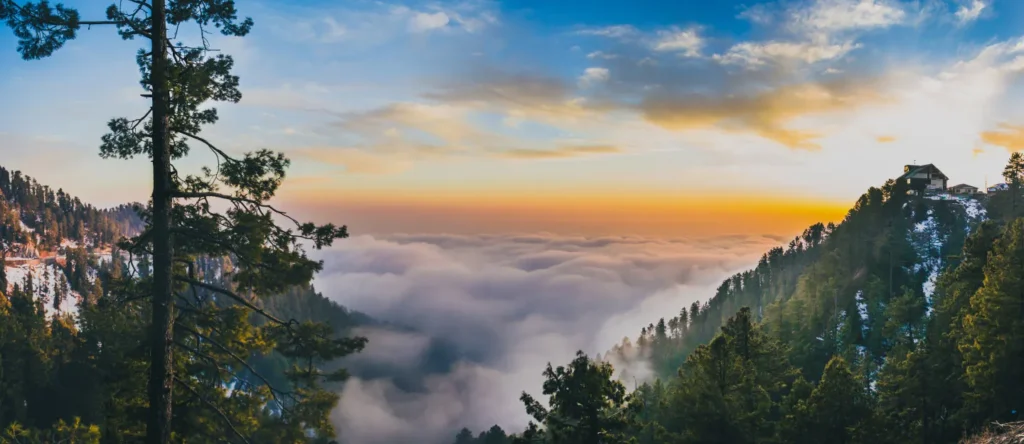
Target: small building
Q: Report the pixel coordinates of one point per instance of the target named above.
(998, 187)
(963, 189)
(921, 178)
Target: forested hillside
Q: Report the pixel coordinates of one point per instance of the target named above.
(903, 323)
(71, 364)
(39, 218)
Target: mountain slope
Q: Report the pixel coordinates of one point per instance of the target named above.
(829, 289)
(903, 323)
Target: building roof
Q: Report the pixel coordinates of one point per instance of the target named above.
(964, 185)
(910, 170)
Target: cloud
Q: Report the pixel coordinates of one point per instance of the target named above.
(820, 30)
(531, 96)
(422, 22)
(766, 114)
(358, 161)
(403, 124)
(615, 31)
(593, 75)
(885, 139)
(683, 41)
(758, 13)
(505, 305)
(561, 152)
(1007, 136)
(753, 54)
(371, 24)
(827, 17)
(970, 12)
(601, 55)
(307, 96)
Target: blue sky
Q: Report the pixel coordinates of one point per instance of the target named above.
(416, 102)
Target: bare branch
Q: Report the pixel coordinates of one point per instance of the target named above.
(140, 119)
(208, 144)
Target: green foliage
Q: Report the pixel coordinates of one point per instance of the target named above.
(74, 433)
(992, 346)
(838, 410)
(585, 406)
(204, 327)
(849, 336)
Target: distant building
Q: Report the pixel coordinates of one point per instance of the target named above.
(921, 178)
(998, 187)
(963, 189)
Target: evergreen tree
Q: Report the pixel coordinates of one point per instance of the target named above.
(1013, 173)
(182, 225)
(838, 410)
(993, 339)
(585, 405)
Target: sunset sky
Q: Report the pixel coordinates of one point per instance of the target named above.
(640, 117)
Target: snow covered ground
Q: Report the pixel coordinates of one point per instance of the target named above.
(928, 242)
(928, 239)
(44, 280)
(975, 209)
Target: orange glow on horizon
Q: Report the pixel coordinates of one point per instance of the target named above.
(654, 214)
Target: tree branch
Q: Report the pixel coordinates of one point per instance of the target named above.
(208, 144)
(206, 194)
(240, 299)
(220, 412)
(273, 391)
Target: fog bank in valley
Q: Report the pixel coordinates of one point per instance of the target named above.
(487, 313)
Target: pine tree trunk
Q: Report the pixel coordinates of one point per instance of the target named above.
(161, 380)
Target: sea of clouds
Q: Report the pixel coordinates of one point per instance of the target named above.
(493, 311)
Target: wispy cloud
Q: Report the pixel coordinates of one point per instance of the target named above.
(813, 31)
(601, 55)
(754, 55)
(1007, 136)
(885, 139)
(614, 31)
(970, 12)
(422, 21)
(593, 75)
(358, 161)
(686, 42)
(758, 13)
(828, 17)
(560, 153)
(766, 114)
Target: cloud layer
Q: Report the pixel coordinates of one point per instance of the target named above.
(489, 312)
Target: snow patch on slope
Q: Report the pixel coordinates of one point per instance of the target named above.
(862, 310)
(928, 241)
(45, 280)
(972, 207)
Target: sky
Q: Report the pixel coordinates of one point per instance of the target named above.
(601, 117)
(528, 178)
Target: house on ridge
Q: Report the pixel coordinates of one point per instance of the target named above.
(963, 189)
(998, 187)
(921, 178)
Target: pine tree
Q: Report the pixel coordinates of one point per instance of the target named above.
(182, 225)
(585, 405)
(992, 342)
(465, 436)
(838, 410)
(1013, 173)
